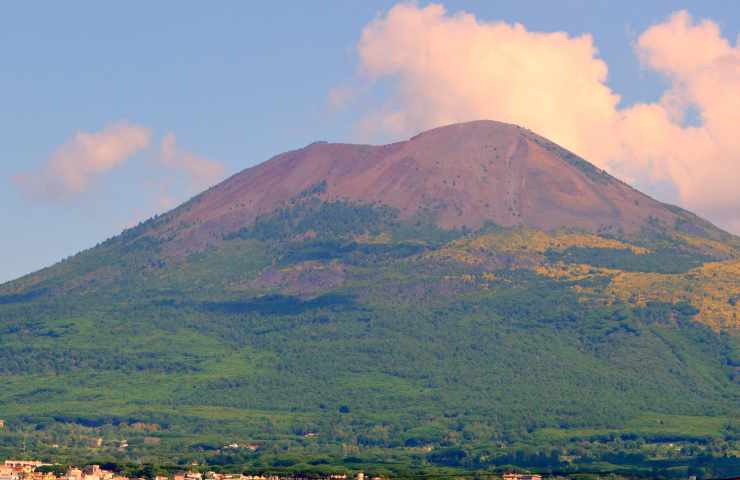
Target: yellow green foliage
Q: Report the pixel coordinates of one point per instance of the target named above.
(711, 247)
(456, 254)
(571, 271)
(524, 243)
(537, 241)
(382, 238)
(710, 288)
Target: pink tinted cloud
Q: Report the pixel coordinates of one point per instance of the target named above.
(702, 161)
(183, 175)
(454, 67)
(201, 172)
(75, 165)
(339, 97)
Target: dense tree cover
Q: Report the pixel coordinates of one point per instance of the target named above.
(349, 252)
(323, 219)
(404, 362)
(661, 261)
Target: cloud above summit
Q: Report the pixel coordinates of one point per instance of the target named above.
(452, 67)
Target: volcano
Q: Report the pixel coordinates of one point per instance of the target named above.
(462, 175)
(471, 298)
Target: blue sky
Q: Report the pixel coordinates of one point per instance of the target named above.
(235, 82)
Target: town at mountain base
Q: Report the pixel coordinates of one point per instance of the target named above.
(36, 470)
(473, 299)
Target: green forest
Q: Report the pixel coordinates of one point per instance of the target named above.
(332, 336)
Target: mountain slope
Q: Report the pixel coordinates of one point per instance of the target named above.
(475, 288)
(463, 175)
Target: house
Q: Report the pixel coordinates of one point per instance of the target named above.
(522, 476)
(96, 442)
(7, 473)
(73, 473)
(22, 466)
(94, 472)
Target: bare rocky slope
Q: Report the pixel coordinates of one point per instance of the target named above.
(461, 175)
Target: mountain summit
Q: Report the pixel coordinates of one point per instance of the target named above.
(472, 298)
(462, 175)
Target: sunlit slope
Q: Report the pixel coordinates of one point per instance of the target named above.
(700, 272)
(395, 324)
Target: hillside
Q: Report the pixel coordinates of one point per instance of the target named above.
(471, 298)
(461, 175)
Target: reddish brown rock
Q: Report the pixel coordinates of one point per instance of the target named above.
(467, 174)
